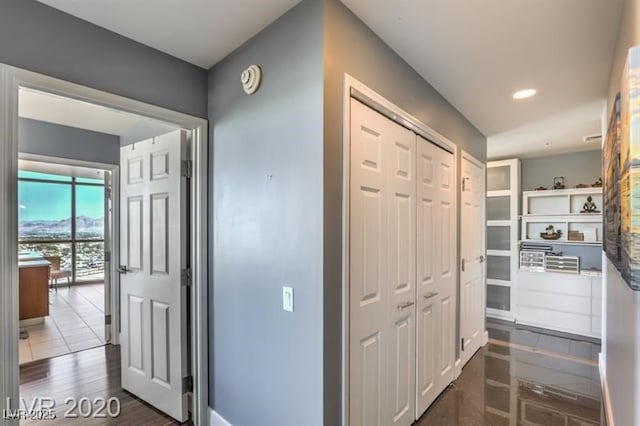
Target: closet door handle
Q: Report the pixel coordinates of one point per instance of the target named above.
(404, 306)
(430, 295)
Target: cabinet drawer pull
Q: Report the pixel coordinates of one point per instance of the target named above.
(430, 295)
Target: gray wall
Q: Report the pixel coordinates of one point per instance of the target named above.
(42, 39)
(53, 140)
(580, 167)
(351, 47)
(267, 227)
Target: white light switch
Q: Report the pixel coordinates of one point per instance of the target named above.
(287, 299)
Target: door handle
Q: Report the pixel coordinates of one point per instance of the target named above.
(123, 269)
(404, 306)
(430, 295)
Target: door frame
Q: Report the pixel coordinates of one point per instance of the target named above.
(11, 79)
(352, 88)
(112, 303)
(464, 155)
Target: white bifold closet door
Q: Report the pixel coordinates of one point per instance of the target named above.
(436, 263)
(382, 293)
(385, 240)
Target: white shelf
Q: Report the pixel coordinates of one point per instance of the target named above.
(565, 202)
(568, 191)
(562, 241)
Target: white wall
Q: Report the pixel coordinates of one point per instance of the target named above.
(578, 167)
(621, 319)
(622, 348)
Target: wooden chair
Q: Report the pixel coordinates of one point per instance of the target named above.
(55, 272)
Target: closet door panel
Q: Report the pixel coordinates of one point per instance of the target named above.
(436, 264)
(402, 276)
(369, 330)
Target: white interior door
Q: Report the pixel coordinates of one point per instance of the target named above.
(436, 273)
(472, 247)
(153, 238)
(382, 278)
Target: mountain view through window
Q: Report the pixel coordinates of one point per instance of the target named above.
(63, 216)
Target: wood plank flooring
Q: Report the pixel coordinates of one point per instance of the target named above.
(93, 373)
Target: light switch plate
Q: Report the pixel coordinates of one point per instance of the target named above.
(287, 299)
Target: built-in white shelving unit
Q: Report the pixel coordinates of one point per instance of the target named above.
(562, 209)
(503, 205)
(564, 295)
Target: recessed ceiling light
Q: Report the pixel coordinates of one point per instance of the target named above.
(523, 94)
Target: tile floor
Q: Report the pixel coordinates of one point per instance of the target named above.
(523, 377)
(75, 323)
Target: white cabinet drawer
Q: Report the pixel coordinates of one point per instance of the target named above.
(558, 302)
(574, 285)
(596, 287)
(596, 307)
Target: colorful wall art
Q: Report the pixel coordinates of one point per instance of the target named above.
(629, 184)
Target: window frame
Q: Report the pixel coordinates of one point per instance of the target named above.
(73, 241)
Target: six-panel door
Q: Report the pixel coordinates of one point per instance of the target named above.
(402, 271)
(153, 238)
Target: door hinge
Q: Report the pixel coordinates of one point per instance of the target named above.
(107, 256)
(482, 259)
(108, 193)
(462, 265)
(185, 277)
(462, 343)
(186, 168)
(107, 319)
(187, 384)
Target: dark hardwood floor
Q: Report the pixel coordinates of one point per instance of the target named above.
(93, 373)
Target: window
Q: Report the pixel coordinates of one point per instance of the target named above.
(63, 216)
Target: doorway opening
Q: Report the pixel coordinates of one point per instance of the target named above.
(64, 219)
(70, 179)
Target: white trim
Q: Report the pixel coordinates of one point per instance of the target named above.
(606, 396)
(9, 370)
(354, 88)
(11, 79)
(215, 419)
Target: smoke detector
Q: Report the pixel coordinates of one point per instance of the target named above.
(251, 78)
(592, 139)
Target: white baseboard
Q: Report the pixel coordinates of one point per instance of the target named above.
(606, 397)
(216, 419)
(457, 368)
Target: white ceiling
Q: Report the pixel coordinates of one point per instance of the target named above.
(198, 31)
(82, 115)
(478, 53)
(475, 53)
